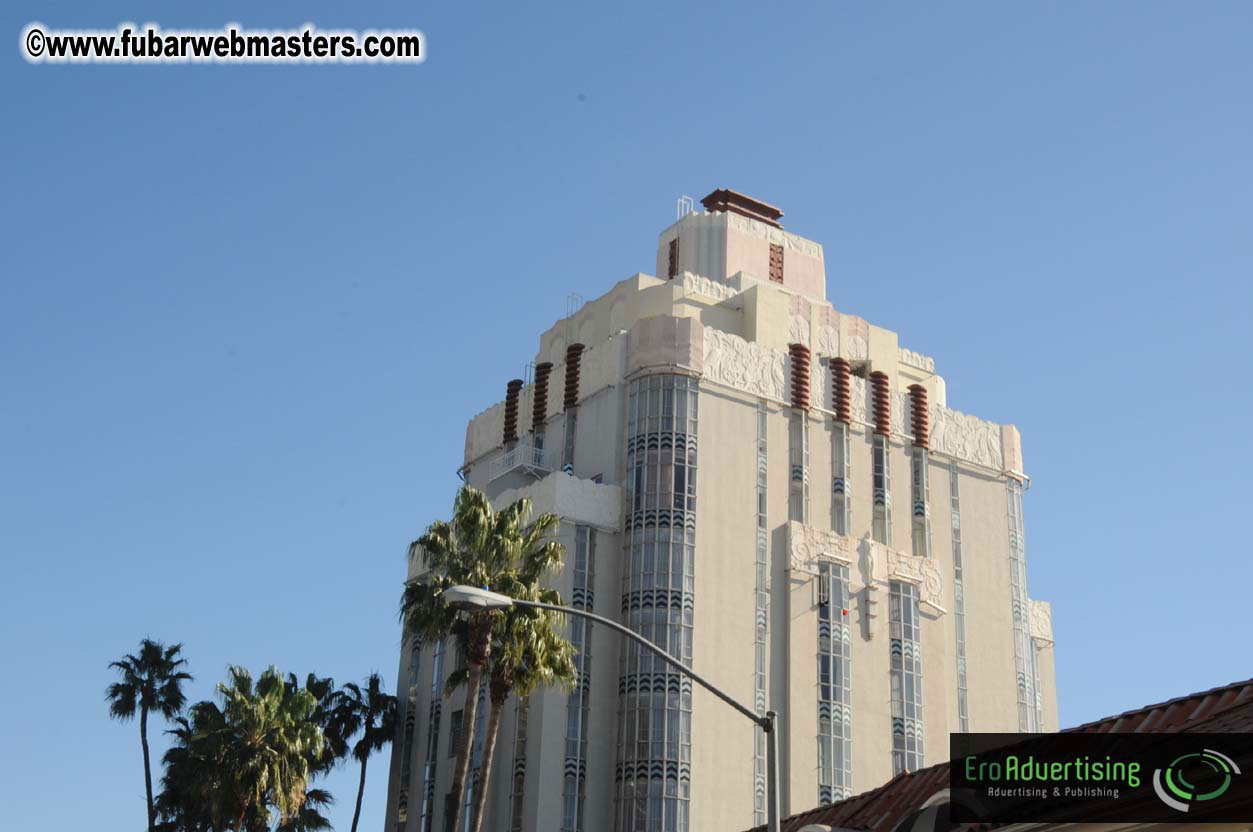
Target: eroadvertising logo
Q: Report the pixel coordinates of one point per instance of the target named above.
(1175, 784)
(1081, 777)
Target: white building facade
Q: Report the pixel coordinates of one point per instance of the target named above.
(775, 492)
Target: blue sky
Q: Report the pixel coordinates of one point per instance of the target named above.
(227, 295)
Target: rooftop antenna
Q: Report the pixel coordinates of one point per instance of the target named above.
(686, 206)
(574, 302)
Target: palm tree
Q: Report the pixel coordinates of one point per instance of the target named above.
(373, 712)
(463, 551)
(529, 653)
(151, 681)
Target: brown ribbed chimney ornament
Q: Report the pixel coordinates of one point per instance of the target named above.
(511, 410)
(918, 416)
(841, 395)
(800, 376)
(574, 354)
(881, 389)
(539, 408)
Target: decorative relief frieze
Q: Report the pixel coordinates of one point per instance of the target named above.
(798, 330)
(1041, 621)
(858, 393)
(747, 366)
(819, 385)
(857, 349)
(965, 437)
(828, 341)
(696, 284)
(807, 545)
(899, 412)
(888, 564)
(775, 235)
(916, 360)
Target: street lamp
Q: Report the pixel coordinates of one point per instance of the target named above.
(474, 599)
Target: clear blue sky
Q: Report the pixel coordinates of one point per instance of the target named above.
(228, 295)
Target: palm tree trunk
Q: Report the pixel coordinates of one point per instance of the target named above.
(143, 738)
(485, 770)
(360, 791)
(469, 714)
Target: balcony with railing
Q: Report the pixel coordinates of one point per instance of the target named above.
(522, 457)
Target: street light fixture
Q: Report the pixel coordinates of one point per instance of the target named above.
(473, 599)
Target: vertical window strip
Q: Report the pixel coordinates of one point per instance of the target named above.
(517, 792)
(426, 818)
(574, 788)
(798, 453)
(840, 479)
(410, 723)
(653, 776)
(1024, 662)
(881, 522)
(920, 490)
(959, 600)
(906, 672)
(835, 693)
(474, 734)
(761, 617)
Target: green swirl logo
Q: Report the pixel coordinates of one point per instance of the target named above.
(1194, 778)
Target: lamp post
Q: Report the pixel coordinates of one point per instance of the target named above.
(475, 599)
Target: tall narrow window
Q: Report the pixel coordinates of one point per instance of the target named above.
(409, 706)
(1024, 660)
(658, 573)
(959, 599)
(517, 793)
(906, 673)
(839, 479)
(672, 269)
(920, 509)
(776, 263)
(574, 788)
(798, 489)
(426, 819)
(881, 519)
(454, 732)
(835, 767)
(760, 622)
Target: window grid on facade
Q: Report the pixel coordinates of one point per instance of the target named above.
(761, 616)
(474, 735)
(517, 792)
(1024, 659)
(881, 520)
(798, 467)
(574, 787)
(959, 600)
(906, 672)
(835, 766)
(426, 818)
(920, 492)
(653, 776)
(840, 505)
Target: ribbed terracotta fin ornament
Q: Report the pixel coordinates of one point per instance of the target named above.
(800, 376)
(918, 416)
(574, 354)
(841, 393)
(511, 410)
(539, 409)
(881, 388)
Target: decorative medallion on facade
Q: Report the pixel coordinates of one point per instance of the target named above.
(798, 330)
(1041, 621)
(730, 360)
(807, 545)
(828, 341)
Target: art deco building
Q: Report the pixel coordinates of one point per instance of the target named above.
(776, 492)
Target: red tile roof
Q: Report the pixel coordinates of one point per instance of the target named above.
(1222, 709)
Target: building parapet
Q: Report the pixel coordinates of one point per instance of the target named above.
(573, 499)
